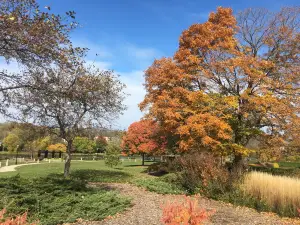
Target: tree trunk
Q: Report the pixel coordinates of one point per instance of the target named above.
(238, 164)
(143, 159)
(68, 159)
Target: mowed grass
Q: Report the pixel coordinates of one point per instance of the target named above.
(290, 164)
(51, 199)
(280, 193)
(95, 171)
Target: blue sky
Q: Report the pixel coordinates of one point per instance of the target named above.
(129, 34)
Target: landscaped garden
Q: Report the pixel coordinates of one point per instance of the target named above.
(218, 140)
(49, 198)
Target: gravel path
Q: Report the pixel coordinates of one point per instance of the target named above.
(146, 210)
(12, 168)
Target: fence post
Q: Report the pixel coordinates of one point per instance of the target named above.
(0, 165)
(7, 162)
(38, 161)
(49, 160)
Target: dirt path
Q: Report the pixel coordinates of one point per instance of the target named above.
(146, 210)
(12, 168)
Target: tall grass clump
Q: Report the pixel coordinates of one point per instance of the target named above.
(280, 193)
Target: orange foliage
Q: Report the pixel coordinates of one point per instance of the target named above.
(18, 220)
(184, 213)
(222, 89)
(143, 137)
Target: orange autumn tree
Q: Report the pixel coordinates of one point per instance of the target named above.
(143, 137)
(232, 80)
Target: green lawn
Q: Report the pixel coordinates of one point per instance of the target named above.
(289, 164)
(95, 170)
(50, 199)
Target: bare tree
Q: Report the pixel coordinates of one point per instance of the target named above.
(33, 37)
(69, 100)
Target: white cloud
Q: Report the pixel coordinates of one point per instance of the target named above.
(140, 53)
(102, 65)
(135, 89)
(140, 57)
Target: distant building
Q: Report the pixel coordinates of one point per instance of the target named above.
(106, 138)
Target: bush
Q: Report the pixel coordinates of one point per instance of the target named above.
(160, 168)
(159, 186)
(112, 155)
(54, 200)
(171, 178)
(202, 172)
(17, 220)
(187, 212)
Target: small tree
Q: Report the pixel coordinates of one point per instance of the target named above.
(70, 100)
(11, 142)
(143, 137)
(112, 154)
(38, 144)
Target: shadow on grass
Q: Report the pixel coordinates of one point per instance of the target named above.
(105, 176)
(44, 197)
(134, 165)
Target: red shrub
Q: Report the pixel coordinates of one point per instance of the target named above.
(202, 171)
(184, 213)
(18, 220)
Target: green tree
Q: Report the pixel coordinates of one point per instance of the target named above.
(112, 154)
(11, 142)
(84, 145)
(38, 144)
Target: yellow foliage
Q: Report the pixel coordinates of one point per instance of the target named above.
(57, 147)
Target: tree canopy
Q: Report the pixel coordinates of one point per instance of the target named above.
(84, 145)
(143, 137)
(232, 79)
